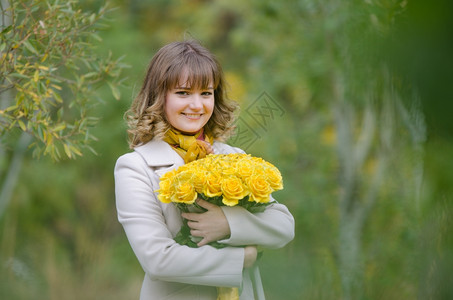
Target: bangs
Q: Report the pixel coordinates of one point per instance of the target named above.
(193, 71)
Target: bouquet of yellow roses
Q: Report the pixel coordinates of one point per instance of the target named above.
(222, 179)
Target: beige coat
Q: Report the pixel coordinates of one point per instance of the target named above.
(173, 271)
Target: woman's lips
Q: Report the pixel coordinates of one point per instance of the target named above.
(192, 116)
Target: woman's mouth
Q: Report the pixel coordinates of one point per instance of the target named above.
(192, 116)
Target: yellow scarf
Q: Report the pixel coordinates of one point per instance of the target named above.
(189, 147)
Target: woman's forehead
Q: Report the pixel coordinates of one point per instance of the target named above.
(188, 79)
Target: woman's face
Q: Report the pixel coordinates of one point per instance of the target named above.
(187, 109)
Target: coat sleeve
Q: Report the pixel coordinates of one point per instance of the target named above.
(273, 228)
(160, 256)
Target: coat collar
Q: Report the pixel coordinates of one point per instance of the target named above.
(161, 156)
(158, 153)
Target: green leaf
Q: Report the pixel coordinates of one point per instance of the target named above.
(19, 75)
(36, 76)
(115, 91)
(67, 151)
(57, 97)
(13, 123)
(6, 30)
(91, 149)
(22, 125)
(11, 108)
(92, 18)
(75, 150)
(90, 74)
(60, 127)
(36, 151)
(96, 36)
(30, 47)
(41, 136)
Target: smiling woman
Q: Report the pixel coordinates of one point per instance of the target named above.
(181, 114)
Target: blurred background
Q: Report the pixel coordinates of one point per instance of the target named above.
(351, 100)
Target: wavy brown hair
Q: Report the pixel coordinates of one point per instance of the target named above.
(146, 117)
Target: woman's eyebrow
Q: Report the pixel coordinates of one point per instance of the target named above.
(188, 88)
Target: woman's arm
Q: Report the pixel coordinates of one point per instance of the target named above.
(161, 257)
(273, 228)
(236, 226)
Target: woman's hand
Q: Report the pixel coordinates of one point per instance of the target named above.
(250, 255)
(208, 147)
(211, 225)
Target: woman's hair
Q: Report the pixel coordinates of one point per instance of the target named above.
(146, 117)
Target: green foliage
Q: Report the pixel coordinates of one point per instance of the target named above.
(60, 233)
(50, 73)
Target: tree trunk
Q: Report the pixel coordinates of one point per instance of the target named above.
(350, 256)
(13, 171)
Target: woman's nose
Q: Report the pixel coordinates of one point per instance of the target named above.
(196, 102)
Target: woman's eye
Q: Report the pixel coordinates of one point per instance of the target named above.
(182, 93)
(206, 93)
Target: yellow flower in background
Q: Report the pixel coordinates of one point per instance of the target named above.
(237, 89)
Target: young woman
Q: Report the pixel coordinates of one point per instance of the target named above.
(182, 114)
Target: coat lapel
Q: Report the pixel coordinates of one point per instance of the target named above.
(160, 156)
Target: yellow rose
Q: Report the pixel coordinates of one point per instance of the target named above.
(258, 160)
(233, 190)
(224, 166)
(245, 169)
(166, 186)
(168, 175)
(274, 178)
(212, 187)
(165, 191)
(260, 189)
(199, 180)
(227, 170)
(185, 193)
(183, 176)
